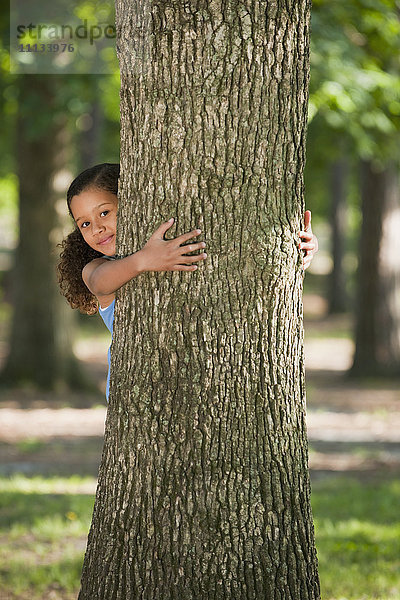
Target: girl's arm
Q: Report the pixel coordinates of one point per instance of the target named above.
(104, 277)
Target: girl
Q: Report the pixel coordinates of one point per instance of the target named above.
(89, 274)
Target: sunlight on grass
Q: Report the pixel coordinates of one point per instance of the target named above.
(30, 445)
(44, 524)
(51, 485)
(27, 574)
(358, 539)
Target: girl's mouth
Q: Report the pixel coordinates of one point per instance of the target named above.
(106, 240)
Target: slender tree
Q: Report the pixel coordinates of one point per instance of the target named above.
(91, 129)
(337, 292)
(377, 323)
(377, 336)
(40, 344)
(364, 38)
(204, 489)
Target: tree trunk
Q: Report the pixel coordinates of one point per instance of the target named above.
(377, 335)
(203, 487)
(40, 344)
(91, 127)
(337, 295)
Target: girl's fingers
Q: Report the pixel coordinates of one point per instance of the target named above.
(190, 259)
(162, 229)
(193, 247)
(310, 246)
(306, 235)
(187, 236)
(194, 258)
(307, 220)
(306, 262)
(184, 268)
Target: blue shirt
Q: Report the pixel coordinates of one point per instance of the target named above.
(107, 314)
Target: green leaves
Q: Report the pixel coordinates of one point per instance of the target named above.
(355, 73)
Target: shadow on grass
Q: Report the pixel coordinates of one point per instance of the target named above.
(51, 458)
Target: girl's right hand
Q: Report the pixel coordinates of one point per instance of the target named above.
(169, 255)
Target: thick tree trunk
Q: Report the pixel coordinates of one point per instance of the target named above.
(40, 345)
(203, 488)
(337, 294)
(378, 308)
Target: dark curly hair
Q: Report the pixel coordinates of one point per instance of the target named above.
(76, 253)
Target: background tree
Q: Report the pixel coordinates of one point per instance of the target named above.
(338, 293)
(378, 320)
(39, 149)
(40, 347)
(354, 103)
(203, 487)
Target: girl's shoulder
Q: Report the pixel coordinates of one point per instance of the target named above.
(87, 272)
(91, 266)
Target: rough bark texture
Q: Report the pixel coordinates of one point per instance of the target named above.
(378, 306)
(204, 490)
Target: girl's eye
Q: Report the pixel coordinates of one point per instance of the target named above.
(85, 224)
(104, 212)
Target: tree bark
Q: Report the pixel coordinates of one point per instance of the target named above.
(377, 335)
(204, 489)
(337, 295)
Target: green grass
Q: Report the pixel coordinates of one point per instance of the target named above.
(44, 524)
(358, 538)
(30, 445)
(334, 332)
(43, 529)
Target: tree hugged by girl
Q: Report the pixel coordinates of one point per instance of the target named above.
(89, 274)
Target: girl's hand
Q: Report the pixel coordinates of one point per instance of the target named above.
(310, 244)
(169, 255)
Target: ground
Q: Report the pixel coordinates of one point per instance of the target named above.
(354, 432)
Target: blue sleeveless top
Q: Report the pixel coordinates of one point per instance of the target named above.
(107, 314)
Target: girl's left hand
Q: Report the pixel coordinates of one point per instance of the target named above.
(310, 241)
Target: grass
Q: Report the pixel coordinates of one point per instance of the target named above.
(44, 524)
(43, 529)
(358, 538)
(30, 445)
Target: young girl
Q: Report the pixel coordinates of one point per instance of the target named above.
(89, 274)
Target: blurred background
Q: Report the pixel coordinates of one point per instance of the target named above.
(53, 361)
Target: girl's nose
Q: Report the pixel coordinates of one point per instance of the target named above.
(97, 227)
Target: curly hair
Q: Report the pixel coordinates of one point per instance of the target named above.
(76, 253)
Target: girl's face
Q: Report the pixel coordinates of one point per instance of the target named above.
(95, 213)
